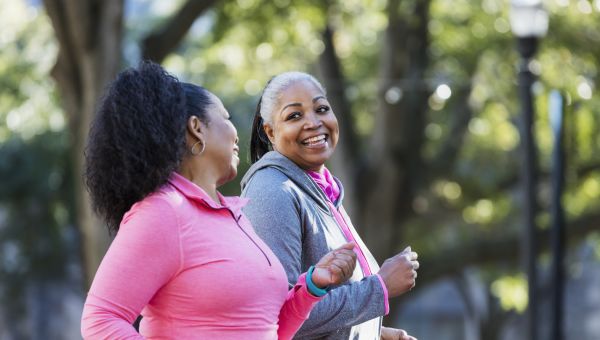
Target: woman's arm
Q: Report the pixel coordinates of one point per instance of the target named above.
(275, 214)
(332, 269)
(344, 307)
(143, 256)
(296, 309)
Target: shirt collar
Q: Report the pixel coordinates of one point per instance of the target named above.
(326, 182)
(196, 193)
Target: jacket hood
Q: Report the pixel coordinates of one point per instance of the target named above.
(274, 159)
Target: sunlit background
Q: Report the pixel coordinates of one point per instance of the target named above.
(450, 85)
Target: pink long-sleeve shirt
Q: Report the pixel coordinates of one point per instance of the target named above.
(195, 269)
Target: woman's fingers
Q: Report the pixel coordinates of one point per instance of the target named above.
(399, 272)
(339, 271)
(343, 266)
(349, 246)
(348, 255)
(395, 334)
(345, 256)
(409, 256)
(344, 249)
(336, 266)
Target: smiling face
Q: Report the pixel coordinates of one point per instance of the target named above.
(304, 127)
(221, 151)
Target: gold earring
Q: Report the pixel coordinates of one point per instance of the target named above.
(201, 150)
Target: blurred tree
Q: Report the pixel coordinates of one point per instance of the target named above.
(90, 36)
(38, 243)
(428, 115)
(36, 237)
(424, 91)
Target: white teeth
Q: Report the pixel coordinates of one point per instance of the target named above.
(314, 139)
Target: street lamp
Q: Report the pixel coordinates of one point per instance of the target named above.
(556, 109)
(529, 22)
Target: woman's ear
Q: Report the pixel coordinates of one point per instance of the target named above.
(269, 132)
(196, 128)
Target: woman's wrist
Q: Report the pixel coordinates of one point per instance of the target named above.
(312, 287)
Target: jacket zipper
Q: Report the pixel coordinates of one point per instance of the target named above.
(341, 228)
(251, 239)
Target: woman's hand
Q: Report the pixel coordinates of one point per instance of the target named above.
(335, 267)
(395, 334)
(400, 272)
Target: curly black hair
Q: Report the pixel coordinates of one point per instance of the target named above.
(137, 138)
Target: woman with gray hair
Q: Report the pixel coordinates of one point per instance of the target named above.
(296, 207)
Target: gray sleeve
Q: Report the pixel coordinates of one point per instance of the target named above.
(344, 307)
(275, 214)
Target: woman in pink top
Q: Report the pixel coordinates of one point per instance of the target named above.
(184, 256)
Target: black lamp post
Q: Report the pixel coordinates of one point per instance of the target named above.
(529, 22)
(558, 219)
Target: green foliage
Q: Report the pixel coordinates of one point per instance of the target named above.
(238, 45)
(473, 55)
(512, 292)
(36, 202)
(35, 206)
(27, 103)
(35, 191)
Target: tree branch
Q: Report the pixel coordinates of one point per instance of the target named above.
(445, 158)
(157, 45)
(495, 250)
(512, 179)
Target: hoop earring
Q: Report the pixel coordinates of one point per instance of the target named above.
(201, 150)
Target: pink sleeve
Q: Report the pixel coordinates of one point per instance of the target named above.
(385, 294)
(144, 255)
(296, 309)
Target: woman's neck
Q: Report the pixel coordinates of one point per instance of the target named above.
(319, 170)
(203, 179)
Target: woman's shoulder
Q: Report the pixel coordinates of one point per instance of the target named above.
(268, 177)
(160, 203)
(270, 184)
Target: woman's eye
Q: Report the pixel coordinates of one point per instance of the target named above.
(293, 115)
(322, 109)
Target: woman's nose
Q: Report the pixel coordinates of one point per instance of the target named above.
(313, 121)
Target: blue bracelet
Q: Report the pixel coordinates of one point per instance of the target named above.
(312, 288)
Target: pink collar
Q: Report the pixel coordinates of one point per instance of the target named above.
(196, 193)
(326, 182)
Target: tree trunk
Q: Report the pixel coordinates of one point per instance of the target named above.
(346, 161)
(395, 164)
(90, 36)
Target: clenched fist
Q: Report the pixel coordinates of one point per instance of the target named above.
(400, 272)
(395, 334)
(335, 267)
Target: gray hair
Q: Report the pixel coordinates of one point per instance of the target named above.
(274, 88)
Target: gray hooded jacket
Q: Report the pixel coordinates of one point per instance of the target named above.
(290, 213)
